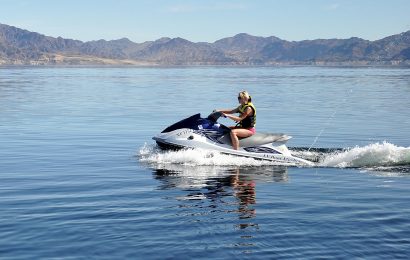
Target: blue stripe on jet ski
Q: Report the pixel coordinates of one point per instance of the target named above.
(261, 150)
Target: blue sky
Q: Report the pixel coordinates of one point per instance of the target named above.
(208, 20)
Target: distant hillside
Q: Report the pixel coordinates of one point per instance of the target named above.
(18, 46)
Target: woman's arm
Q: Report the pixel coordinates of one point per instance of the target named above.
(227, 111)
(247, 112)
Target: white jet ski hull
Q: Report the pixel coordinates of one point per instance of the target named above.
(275, 152)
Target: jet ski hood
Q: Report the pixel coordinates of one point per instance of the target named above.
(191, 122)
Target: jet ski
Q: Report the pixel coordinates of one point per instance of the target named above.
(206, 133)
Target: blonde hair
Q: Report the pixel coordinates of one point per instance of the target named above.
(245, 94)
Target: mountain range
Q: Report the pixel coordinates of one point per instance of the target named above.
(22, 47)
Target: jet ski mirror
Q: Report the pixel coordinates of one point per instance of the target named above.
(214, 116)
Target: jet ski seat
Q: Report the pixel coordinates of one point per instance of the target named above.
(257, 139)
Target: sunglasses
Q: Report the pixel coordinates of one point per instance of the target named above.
(239, 98)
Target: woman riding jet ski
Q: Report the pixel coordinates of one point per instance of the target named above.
(246, 121)
(207, 133)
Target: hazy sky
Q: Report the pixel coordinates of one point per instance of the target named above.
(208, 20)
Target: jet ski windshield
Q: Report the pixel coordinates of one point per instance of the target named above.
(214, 116)
(196, 122)
(190, 122)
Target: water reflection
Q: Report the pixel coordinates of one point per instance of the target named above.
(244, 189)
(189, 177)
(226, 194)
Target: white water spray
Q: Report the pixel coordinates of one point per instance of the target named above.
(373, 155)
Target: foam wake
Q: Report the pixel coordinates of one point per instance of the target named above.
(377, 156)
(194, 157)
(372, 155)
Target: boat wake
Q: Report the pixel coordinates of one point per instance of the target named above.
(151, 154)
(377, 156)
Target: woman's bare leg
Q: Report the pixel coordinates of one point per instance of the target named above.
(239, 132)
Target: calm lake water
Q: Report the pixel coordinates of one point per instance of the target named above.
(80, 176)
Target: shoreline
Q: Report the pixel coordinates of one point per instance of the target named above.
(96, 65)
